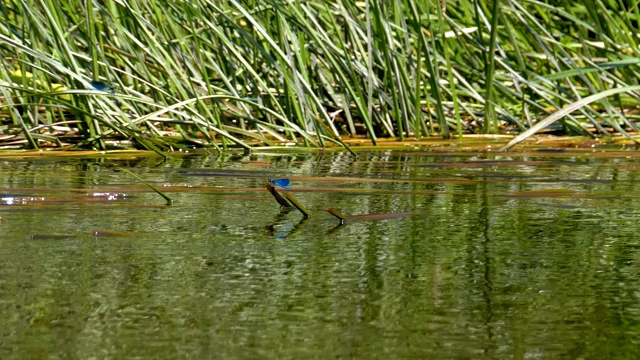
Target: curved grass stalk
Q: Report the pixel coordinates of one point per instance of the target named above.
(149, 185)
(565, 111)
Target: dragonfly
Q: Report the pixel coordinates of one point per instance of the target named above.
(100, 86)
(283, 183)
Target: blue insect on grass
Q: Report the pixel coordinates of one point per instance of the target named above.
(100, 86)
(283, 183)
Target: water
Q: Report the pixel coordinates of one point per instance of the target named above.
(529, 255)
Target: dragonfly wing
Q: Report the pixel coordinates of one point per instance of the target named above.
(283, 183)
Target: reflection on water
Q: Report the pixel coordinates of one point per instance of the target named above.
(524, 255)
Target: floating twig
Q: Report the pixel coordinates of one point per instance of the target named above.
(297, 204)
(343, 218)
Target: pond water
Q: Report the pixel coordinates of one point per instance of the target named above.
(520, 255)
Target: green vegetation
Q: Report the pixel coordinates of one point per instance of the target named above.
(245, 73)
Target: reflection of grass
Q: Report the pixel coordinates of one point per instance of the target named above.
(248, 73)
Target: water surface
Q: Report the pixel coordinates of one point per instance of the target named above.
(525, 255)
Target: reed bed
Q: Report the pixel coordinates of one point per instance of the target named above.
(235, 73)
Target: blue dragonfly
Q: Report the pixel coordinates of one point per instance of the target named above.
(100, 86)
(283, 183)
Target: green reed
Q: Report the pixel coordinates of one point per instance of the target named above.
(246, 73)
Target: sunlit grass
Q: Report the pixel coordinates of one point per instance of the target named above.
(309, 74)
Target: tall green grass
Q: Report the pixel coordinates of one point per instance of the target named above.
(310, 73)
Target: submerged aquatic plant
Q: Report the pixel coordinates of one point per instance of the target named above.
(241, 73)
